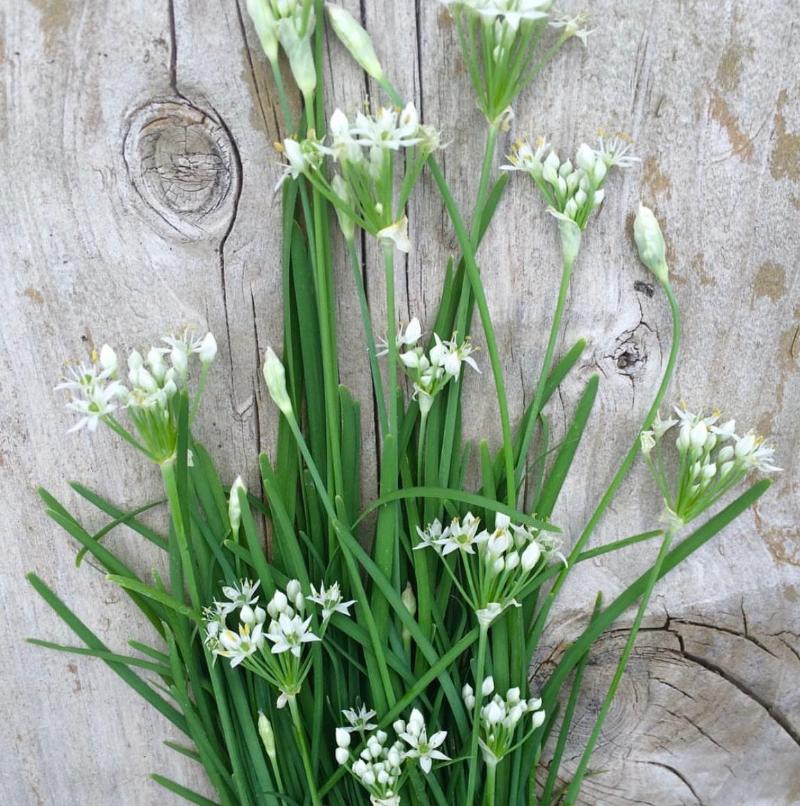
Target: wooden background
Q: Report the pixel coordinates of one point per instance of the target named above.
(137, 175)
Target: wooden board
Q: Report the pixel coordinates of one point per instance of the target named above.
(135, 151)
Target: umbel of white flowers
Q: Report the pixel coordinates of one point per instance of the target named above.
(365, 150)
(430, 372)
(500, 718)
(497, 564)
(280, 661)
(713, 460)
(499, 41)
(97, 393)
(379, 767)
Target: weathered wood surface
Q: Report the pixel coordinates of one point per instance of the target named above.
(137, 173)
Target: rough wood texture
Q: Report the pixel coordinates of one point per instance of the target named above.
(137, 174)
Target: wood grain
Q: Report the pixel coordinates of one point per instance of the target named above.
(135, 151)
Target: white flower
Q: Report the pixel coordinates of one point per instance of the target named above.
(397, 234)
(301, 157)
(330, 600)
(360, 720)
(647, 441)
(238, 595)
(753, 454)
(97, 402)
(615, 153)
(460, 535)
(450, 356)
(383, 130)
(288, 634)
(573, 26)
(430, 537)
(660, 427)
(344, 145)
(524, 158)
(241, 646)
(422, 747)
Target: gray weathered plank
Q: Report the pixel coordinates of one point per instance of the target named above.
(113, 229)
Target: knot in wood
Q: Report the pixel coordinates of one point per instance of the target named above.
(182, 164)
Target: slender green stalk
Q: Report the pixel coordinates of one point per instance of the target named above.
(366, 321)
(173, 496)
(577, 779)
(474, 755)
(486, 321)
(547, 363)
(300, 737)
(619, 476)
(491, 782)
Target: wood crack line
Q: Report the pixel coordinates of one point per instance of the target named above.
(679, 775)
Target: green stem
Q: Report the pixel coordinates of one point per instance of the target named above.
(555, 329)
(474, 756)
(491, 778)
(171, 489)
(486, 321)
(577, 779)
(366, 321)
(299, 735)
(608, 497)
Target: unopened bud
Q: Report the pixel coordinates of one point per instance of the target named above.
(650, 243)
(267, 735)
(409, 600)
(265, 25)
(355, 39)
(234, 507)
(275, 376)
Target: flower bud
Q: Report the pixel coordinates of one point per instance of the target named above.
(530, 557)
(650, 243)
(207, 351)
(265, 25)
(487, 687)
(234, 508)
(355, 39)
(292, 589)
(247, 615)
(108, 359)
(342, 737)
(267, 735)
(275, 376)
(409, 600)
(538, 719)
(342, 755)
(346, 222)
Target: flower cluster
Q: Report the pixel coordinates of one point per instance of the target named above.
(379, 767)
(713, 459)
(499, 40)
(290, 24)
(497, 565)
(153, 383)
(572, 190)
(287, 632)
(430, 372)
(499, 718)
(364, 150)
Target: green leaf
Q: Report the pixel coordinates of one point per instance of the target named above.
(442, 494)
(93, 642)
(566, 453)
(182, 791)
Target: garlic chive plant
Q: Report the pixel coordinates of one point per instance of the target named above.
(287, 688)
